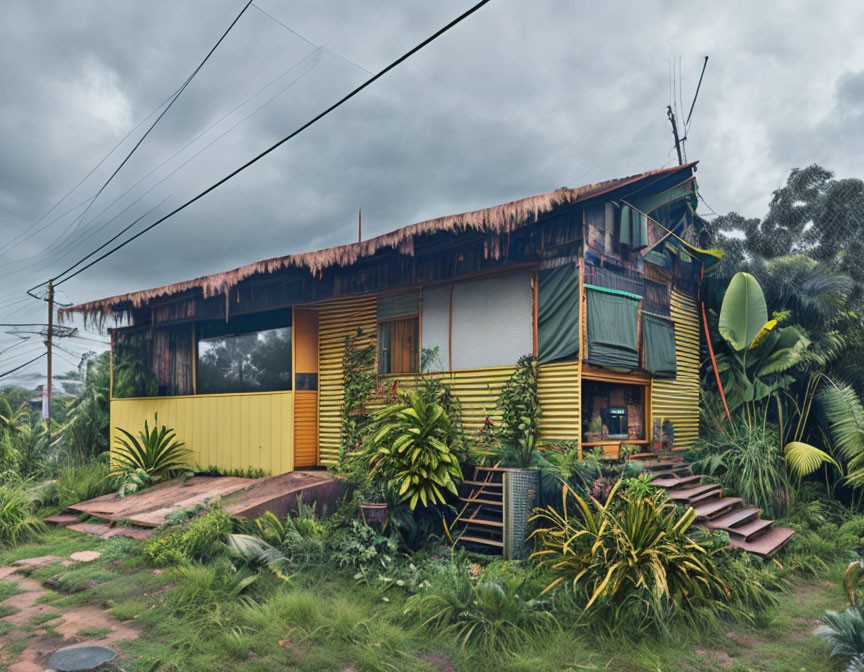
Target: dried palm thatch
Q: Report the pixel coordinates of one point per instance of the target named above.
(499, 219)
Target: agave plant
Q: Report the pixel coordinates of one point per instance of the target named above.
(844, 633)
(410, 450)
(152, 456)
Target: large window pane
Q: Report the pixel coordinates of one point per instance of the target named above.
(258, 361)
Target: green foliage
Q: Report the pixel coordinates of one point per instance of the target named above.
(78, 483)
(630, 559)
(410, 450)
(844, 633)
(519, 404)
(18, 520)
(844, 414)
(489, 613)
(363, 548)
(152, 456)
(84, 434)
(201, 540)
(749, 461)
(744, 312)
(204, 587)
(358, 380)
(133, 374)
(300, 536)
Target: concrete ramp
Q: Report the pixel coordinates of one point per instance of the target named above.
(245, 497)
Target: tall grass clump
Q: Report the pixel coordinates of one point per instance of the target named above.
(18, 520)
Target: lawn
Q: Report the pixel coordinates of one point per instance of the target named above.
(324, 619)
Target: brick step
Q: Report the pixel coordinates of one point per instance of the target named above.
(765, 544)
(688, 494)
(751, 529)
(715, 507)
(481, 540)
(675, 481)
(733, 518)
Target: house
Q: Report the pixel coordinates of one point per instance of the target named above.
(601, 283)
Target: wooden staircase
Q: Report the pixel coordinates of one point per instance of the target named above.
(481, 514)
(715, 510)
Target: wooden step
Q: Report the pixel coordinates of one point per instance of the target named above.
(751, 529)
(481, 521)
(478, 500)
(765, 544)
(715, 507)
(688, 494)
(705, 496)
(481, 540)
(675, 481)
(733, 518)
(63, 519)
(484, 484)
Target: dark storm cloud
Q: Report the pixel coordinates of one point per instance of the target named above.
(522, 98)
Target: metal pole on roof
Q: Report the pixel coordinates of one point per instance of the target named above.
(359, 225)
(671, 116)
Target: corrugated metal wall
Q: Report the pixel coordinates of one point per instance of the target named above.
(560, 388)
(305, 428)
(678, 398)
(337, 319)
(230, 431)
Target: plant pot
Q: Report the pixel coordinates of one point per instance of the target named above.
(374, 514)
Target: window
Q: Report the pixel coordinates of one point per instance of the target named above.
(398, 333)
(612, 412)
(246, 355)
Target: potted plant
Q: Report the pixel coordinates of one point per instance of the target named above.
(372, 497)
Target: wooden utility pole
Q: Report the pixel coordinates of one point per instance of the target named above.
(671, 115)
(46, 392)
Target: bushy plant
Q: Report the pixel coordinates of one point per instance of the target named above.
(519, 404)
(201, 539)
(152, 456)
(409, 449)
(358, 385)
(630, 559)
(362, 547)
(79, 483)
(84, 434)
(844, 633)
(490, 612)
(18, 520)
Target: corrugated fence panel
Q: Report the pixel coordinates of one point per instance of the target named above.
(337, 320)
(230, 431)
(678, 398)
(559, 389)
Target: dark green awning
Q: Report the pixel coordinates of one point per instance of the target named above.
(658, 338)
(612, 326)
(558, 313)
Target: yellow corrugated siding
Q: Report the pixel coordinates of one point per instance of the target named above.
(337, 320)
(559, 389)
(230, 431)
(678, 398)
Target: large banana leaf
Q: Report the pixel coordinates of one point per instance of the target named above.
(743, 313)
(803, 459)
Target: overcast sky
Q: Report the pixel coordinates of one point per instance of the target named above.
(522, 98)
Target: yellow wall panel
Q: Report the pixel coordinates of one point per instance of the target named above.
(336, 320)
(559, 387)
(230, 431)
(678, 398)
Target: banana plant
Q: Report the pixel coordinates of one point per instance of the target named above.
(758, 367)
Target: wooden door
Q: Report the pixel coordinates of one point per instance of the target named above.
(305, 339)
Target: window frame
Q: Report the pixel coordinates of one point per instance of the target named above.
(415, 355)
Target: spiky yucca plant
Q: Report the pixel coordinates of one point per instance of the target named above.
(152, 456)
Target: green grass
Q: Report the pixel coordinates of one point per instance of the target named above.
(8, 610)
(8, 589)
(56, 541)
(40, 619)
(322, 620)
(94, 633)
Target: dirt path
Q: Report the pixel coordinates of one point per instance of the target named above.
(31, 629)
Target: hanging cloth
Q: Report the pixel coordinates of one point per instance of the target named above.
(612, 327)
(558, 313)
(658, 339)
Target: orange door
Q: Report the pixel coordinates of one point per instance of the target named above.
(305, 338)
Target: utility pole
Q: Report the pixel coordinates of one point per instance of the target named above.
(360, 225)
(671, 115)
(46, 391)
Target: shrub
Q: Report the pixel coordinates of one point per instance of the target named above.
(410, 450)
(629, 559)
(519, 403)
(844, 633)
(363, 548)
(18, 520)
(490, 612)
(79, 483)
(200, 540)
(152, 456)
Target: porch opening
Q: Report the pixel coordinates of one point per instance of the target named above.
(613, 413)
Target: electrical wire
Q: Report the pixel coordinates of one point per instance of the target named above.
(291, 135)
(18, 368)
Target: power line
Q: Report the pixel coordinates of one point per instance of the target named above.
(308, 41)
(167, 107)
(296, 132)
(18, 368)
(696, 95)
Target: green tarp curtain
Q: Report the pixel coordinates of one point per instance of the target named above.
(634, 228)
(650, 203)
(612, 327)
(558, 313)
(658, 338)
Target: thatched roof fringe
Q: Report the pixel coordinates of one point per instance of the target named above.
(499, 219)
